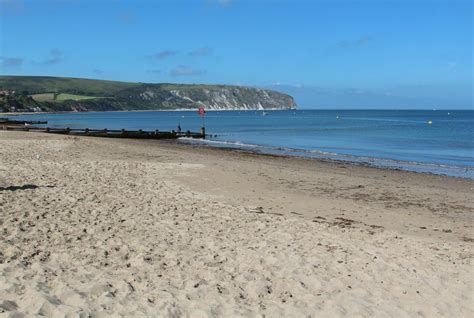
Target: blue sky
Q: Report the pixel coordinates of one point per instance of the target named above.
(390, 54)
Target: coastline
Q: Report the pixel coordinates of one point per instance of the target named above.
(371, 162)
(436, 163)
(145, 110)
(136, 227)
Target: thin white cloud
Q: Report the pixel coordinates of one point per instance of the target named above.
(183, 70)
(11, 61)
(55, 56)
(202, 51)
(163, 54)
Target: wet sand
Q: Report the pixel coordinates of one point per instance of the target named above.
(103, 227)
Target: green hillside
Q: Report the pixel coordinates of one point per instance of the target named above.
(47, 84)
(22, 93)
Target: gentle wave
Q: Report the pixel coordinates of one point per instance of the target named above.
(439, 169)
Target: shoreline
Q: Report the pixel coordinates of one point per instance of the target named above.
(332, 162)
(140, 227)
(285, 154)
(390, 164)
(147, 110)
(418, 163)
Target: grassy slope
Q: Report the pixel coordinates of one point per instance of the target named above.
(63, 97)
(76, 86)
(80, 86)
(49, 97)
(43, 97)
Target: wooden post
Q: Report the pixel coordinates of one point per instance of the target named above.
(68, 130)
(203, 132)
(86, 131)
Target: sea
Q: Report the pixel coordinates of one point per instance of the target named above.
(429, 141)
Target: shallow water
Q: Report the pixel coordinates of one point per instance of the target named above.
(387, 138)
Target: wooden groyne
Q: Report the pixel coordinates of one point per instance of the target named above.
(11, 122)
(109, 133)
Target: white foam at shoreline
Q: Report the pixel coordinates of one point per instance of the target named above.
(423, 167)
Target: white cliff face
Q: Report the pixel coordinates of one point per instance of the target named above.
(238, 98)
(177, 93)
(147, 95)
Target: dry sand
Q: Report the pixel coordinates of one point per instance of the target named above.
(103, 227)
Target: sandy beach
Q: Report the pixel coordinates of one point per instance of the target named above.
(95, 227)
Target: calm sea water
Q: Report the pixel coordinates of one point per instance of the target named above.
(395, 139)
